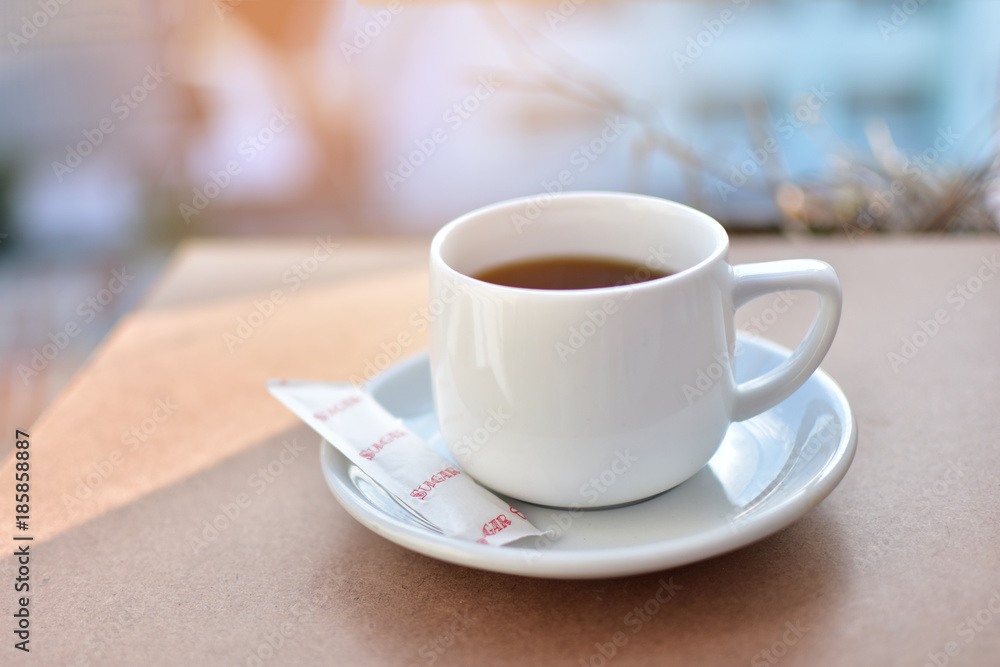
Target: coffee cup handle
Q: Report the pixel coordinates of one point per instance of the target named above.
(753, 280)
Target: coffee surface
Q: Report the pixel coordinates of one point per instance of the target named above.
(569, 272)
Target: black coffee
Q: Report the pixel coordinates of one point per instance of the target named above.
(569, 272)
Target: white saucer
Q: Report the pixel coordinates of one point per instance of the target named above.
(769, 471)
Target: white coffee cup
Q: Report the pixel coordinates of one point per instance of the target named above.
(581, 398)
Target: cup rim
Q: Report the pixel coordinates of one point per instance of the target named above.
(720, 251)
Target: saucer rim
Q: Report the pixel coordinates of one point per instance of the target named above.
(603, 561)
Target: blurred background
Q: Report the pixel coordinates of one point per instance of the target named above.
(128, 125)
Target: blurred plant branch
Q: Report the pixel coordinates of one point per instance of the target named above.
(881, 190)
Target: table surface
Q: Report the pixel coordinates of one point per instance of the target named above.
(169, 427)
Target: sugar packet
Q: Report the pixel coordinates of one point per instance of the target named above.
(403, 464)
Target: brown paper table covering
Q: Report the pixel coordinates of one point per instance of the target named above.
(169, 427)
